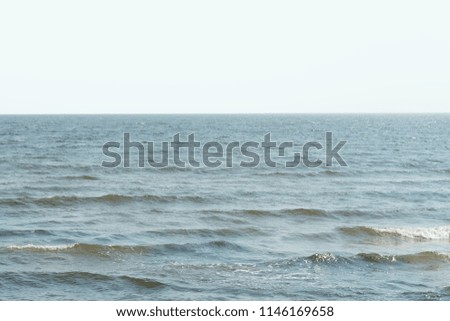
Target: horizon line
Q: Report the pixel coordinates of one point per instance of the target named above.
(243, 113)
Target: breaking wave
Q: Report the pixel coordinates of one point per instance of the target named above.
(415, 233)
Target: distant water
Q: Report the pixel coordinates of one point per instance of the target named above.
(377, 229)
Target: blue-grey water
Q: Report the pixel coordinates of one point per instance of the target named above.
(377, 229)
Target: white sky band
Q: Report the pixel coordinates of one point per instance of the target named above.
(224, 57)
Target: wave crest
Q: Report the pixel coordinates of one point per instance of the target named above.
(416, 258)
(61, 200)
(416, 233)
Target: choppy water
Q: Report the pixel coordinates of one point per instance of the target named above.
(377, 229)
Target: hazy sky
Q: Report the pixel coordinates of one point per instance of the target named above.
(224, 56)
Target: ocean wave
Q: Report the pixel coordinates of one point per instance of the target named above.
(416, 233)
(81, 177)
(316, 258)
(34, 247)
(427, 257)
(301, 211)
(330, 172)
(54, 167)
(305, 212)
(6, 233)
(142, 282)
(173, 169)
(70, 278)
(259, 213)
(198, 247)
(322, 258)
(81, 248)
(326, 258)
(110, 250)
(347, 213)
(205, 232)
(287, 212)
(61, 200)
(306, 173)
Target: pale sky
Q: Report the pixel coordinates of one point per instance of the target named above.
(224, 56)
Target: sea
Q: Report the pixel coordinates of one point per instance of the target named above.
(375, 227)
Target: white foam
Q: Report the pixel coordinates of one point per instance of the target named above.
(41, 247)
(429, 233)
